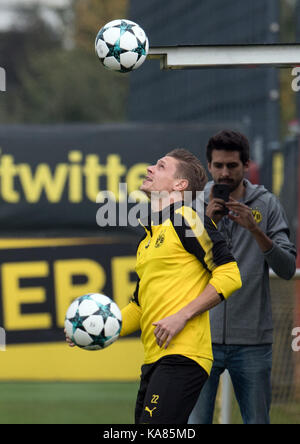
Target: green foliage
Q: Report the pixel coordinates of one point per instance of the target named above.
(70, 86)
(48, 83)
(91, 15)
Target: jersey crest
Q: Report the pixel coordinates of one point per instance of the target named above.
(160, 239)
(257, 215)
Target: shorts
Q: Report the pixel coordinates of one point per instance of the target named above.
(169, 389)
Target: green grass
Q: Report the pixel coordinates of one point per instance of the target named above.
(67, 403)
(93, 403)
(281, 413)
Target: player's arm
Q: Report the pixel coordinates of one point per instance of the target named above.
(207, 244)
(131, 315)
(202, 239)
(211, 296)
(169, 327)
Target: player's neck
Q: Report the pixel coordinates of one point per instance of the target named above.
(161, 201)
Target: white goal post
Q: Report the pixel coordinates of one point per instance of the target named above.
(227, 56)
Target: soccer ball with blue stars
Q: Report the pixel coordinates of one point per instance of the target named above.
(93, 321)
(122, 45)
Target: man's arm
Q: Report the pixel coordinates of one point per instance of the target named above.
(131, 315)
(169, 327)
(211, 250)
(225, 280)
(242, 215)
(278, 251)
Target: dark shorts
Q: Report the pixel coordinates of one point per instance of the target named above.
(169, 389)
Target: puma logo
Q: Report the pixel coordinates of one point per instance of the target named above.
(149, 411)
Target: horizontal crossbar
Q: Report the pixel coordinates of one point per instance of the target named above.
(227, 56)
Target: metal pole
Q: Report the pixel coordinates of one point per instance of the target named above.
(229, 56)
(226, 399)
(272, 132)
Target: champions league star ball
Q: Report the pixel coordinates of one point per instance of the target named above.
(93, 321)
(122, 45)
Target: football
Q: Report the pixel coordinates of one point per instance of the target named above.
(122, 45)
(93, 321)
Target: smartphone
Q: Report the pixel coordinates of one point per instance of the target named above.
(222, 191)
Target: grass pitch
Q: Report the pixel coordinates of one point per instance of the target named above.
(93, 403)
(67, 402)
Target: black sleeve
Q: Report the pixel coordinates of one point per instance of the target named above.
(207, 244)
(135, 296)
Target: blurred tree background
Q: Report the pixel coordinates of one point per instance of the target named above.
(53, 75)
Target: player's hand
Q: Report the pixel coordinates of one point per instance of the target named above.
(68, 340)
(215, 208)
(167, 328)
(241, 214)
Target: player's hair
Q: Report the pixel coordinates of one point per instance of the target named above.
(189, 167)
(229, 141)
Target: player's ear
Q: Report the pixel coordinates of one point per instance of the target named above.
(181, 185)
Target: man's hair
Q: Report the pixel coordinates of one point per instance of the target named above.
(189, 167)
(229, 141)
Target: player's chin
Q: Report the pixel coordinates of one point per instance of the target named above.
(146, 187)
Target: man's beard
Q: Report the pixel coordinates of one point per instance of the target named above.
(233, 185)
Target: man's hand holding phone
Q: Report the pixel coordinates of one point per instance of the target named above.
(216, 208)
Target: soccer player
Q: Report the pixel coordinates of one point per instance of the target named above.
(257, 234)
(184, 268)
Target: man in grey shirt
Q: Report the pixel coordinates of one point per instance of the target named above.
(256, 230)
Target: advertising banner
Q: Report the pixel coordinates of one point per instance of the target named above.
(58, 241)
(53, 177)
(39, 280)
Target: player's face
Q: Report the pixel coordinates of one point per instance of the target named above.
(161, 177)
(226, 167)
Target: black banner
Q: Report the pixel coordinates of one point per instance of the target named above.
(51, 176)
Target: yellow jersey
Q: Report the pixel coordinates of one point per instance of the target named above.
(179, 255)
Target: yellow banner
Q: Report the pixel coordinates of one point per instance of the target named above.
(58, 362)
(39, 280)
